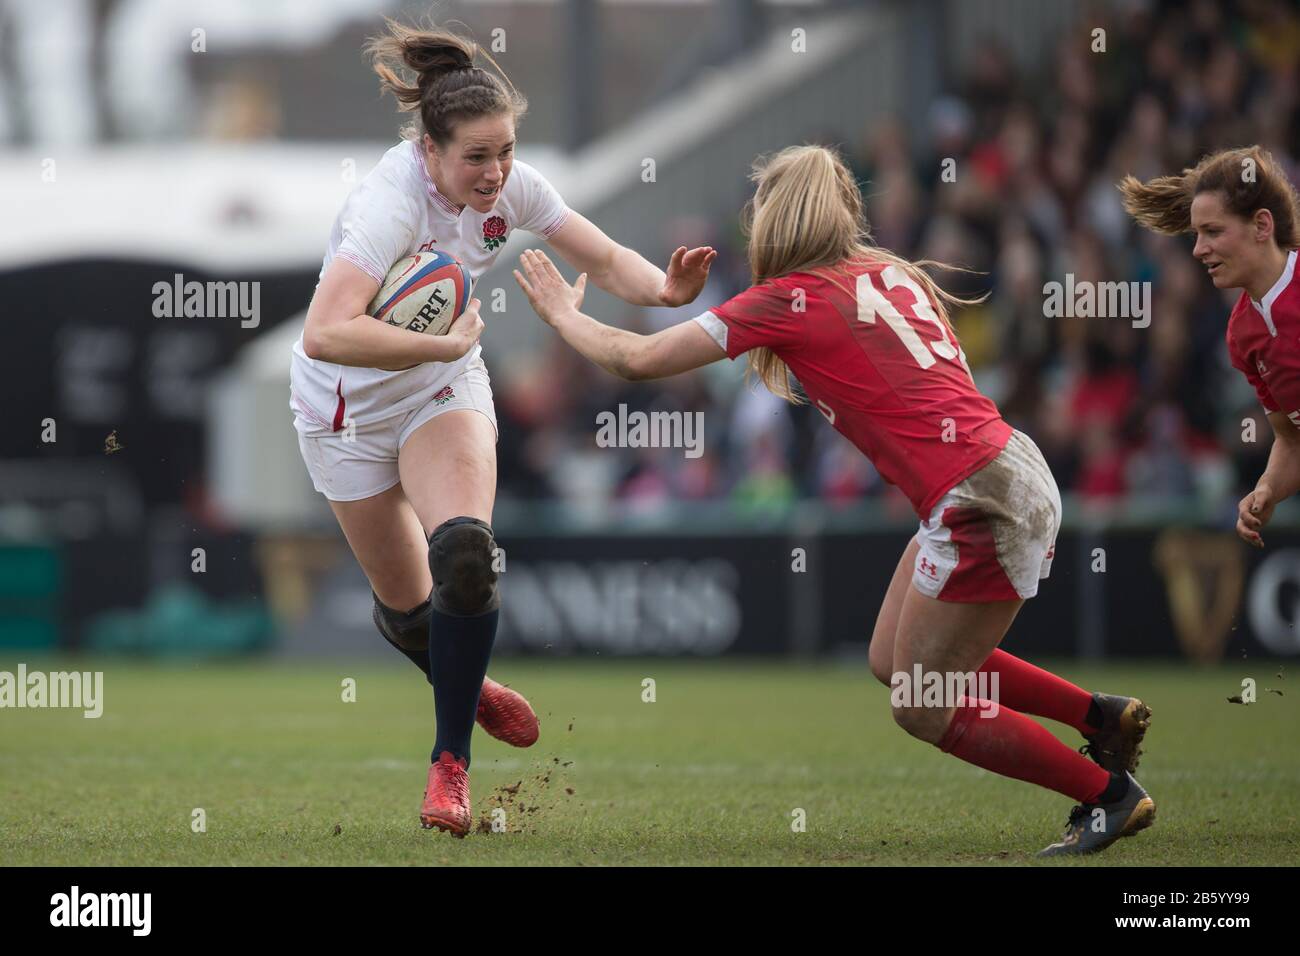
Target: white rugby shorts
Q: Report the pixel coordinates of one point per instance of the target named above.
(993, 535)
(361, 461)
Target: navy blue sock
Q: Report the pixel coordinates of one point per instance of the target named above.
(459, 649)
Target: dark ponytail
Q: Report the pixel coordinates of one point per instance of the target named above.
(1248, 179)
(448, 86)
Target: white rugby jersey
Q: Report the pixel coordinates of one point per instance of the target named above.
(396, 211)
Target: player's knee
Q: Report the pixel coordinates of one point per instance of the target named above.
(882, 664)
(923, 723)
(462, 560)
(407, 630)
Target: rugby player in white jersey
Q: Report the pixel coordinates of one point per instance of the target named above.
(414, 483)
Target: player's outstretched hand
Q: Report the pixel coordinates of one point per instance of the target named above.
(1253, 513)
(466, 328)
(688, 270)
(548, 293)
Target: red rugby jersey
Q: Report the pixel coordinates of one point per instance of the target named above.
(880, 364)
(1264, 343)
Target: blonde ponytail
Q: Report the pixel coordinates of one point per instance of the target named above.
(806, 216)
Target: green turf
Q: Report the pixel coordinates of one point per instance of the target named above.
(709, 773)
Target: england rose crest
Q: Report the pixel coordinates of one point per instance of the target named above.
(494, 233)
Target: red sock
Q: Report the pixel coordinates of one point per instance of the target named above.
(1032, 690)
(1015, 746)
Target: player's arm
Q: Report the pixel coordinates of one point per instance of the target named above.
(626, 354)
(1281, 480)
(338, 329)
(623, 272)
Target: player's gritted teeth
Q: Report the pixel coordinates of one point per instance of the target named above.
(484, 196)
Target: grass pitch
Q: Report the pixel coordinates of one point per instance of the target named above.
(712, 772)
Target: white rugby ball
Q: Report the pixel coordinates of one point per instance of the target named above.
(424, 293)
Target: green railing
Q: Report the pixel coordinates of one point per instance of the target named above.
(30, 583)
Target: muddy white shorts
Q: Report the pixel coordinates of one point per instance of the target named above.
(349, 465)
(992, 536)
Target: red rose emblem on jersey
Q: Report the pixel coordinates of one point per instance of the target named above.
(494, 232)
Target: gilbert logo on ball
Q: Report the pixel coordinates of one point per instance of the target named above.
(424, 293)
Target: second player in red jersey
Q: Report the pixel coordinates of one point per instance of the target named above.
(867, 337)
(1245, 215)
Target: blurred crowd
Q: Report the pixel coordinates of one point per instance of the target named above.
(1119, 411)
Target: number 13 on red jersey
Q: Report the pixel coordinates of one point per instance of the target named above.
(872, 303)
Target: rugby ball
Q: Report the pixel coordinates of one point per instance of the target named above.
(424, 293)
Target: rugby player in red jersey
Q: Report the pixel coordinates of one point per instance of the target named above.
(1245, 215)
(867, 336)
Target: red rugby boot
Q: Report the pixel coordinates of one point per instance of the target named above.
(505, 715)
(446, 798)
